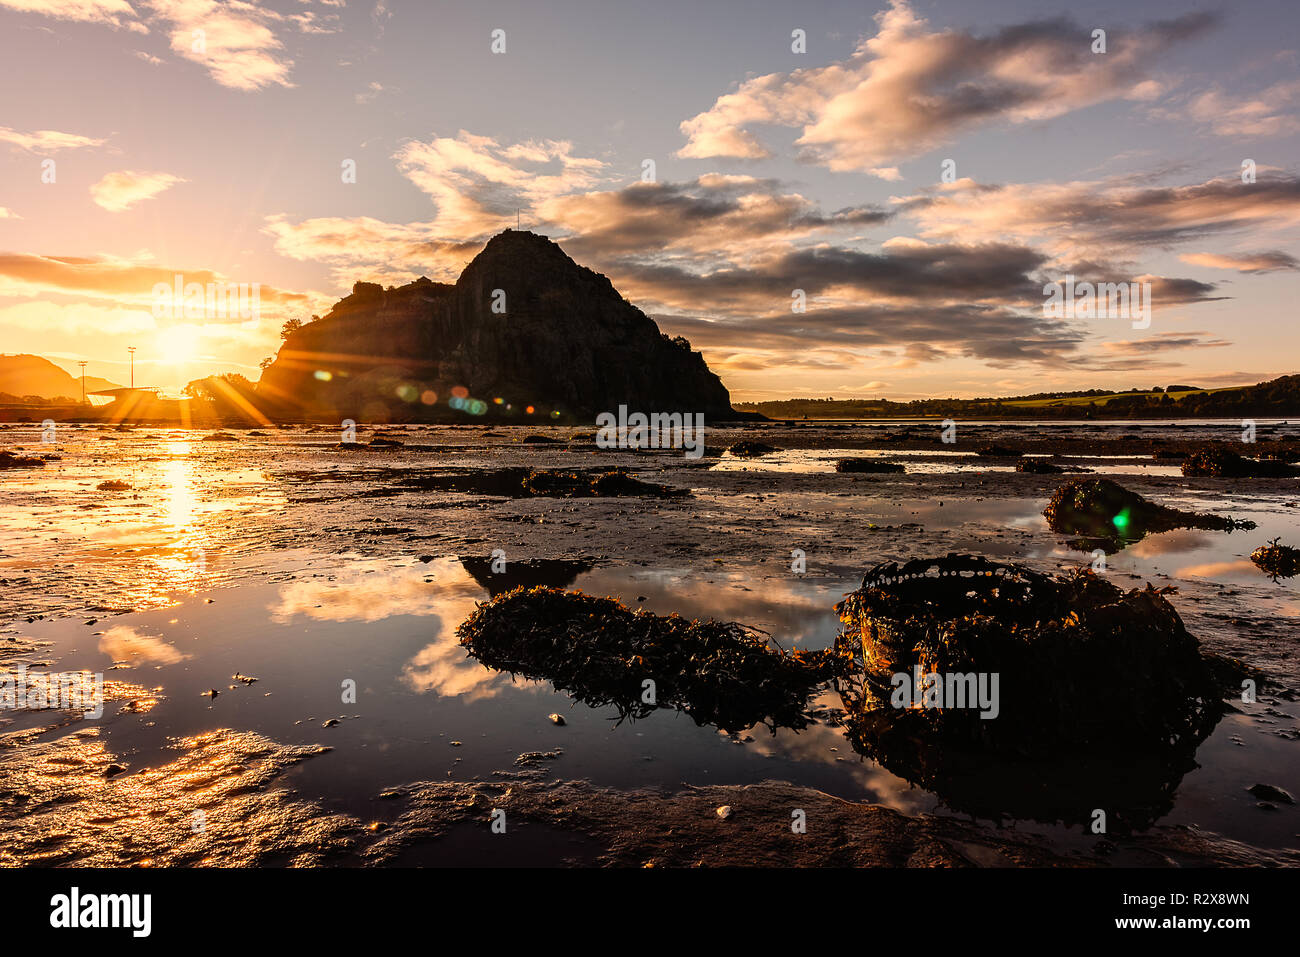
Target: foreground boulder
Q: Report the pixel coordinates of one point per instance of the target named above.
(1079, 663)
(603, 653)
(1102, 509)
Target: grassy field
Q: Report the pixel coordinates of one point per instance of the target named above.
(1103, 399)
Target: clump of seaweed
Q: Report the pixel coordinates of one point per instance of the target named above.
(527, 483)
(997, 452)
(604, 653)
(1219, 462)
(1277, 560)
(1101, 508)
(12, 460)
(752, 450)
(113, 485)
(607, 484)
(868, 465)
(1081, 664)
(1040, 467)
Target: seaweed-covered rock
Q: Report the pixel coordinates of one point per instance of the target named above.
(1219, 462)
(751, 450)
(12, 460)
(1277, 560)
(1101, 508)
(603, 653)
(1079, 663)
(868, 466)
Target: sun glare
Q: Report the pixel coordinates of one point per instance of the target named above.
(177, 345)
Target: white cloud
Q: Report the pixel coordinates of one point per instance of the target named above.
(123, 189)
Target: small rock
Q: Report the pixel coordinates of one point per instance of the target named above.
(210, 693)
(1267, 792)
(724, 812)
(557, 719)
(330, 723)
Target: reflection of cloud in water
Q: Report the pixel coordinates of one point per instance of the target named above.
(444, 668)
(124, 643)
(814, 744)
(374, 590)
(1167, 543)
(796, 612)
(1217, 569)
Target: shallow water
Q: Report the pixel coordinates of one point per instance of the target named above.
(275, 558)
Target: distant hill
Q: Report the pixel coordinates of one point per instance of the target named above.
(1277, 398)
(524, 332)
(27, 375)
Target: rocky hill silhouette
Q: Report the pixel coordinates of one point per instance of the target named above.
(524, 324)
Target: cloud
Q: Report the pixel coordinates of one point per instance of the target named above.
(713, 213)
(996, 334)
(112, 12)
(479, 184)
(234, 41)
(371, 91)
(904, 271)
(1249, 263)
(1164, 342)
(1111, 217)
(909, 89)
(1270, 112)
(46, 141)
(123, 189)
(122, 280)
(392, 252)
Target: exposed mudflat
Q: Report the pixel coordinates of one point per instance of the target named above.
(284, 557)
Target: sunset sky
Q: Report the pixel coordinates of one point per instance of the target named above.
(208, 139)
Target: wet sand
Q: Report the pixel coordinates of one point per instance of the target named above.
(285, 557)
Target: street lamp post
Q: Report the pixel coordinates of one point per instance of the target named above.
(131, 349)
(83, 382)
